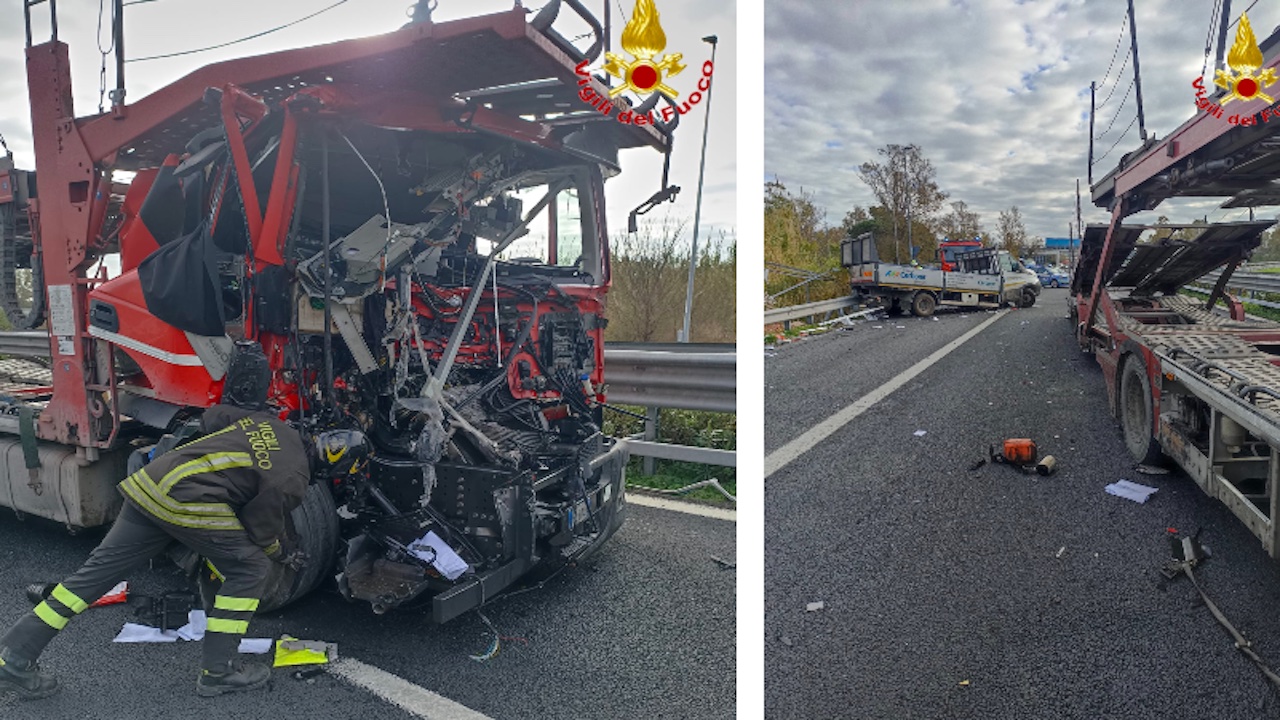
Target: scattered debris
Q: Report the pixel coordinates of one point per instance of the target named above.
(255, 646)
(1047, 466)
(1060, 551)
(114, 596)
(1130, 490)
(1151, 470)
(977, 464)
(815, 606)
(494, 646)
(291, 651)
(920, 433)
(308, 674)
(787, 641)
(877, 327)
(1187, 554)
(964, 683)
(725, 564)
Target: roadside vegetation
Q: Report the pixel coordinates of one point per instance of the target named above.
(646, 304)
(911, 215)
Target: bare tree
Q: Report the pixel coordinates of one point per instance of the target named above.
(1012, 231)
(905, 185)
(959, 224)
(648, 282)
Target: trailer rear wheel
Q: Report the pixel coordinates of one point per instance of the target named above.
(923, 304)
(1136, 412)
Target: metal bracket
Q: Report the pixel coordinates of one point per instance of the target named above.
(355, 341)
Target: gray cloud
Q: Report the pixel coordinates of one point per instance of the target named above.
(995, 92)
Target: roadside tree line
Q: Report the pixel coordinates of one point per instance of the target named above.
(911, 216)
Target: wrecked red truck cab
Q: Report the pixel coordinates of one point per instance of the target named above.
(402, 234)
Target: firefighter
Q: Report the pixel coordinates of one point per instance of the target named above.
(225, 495)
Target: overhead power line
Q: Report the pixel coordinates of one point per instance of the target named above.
(1124, 22)
(1117, 82)
(1117, 142)
(243, 39)
(1123, 102)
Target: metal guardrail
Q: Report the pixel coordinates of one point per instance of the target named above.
(1254, 282)
(690, 376)
(661, 378)
(682, 453)
(793, 312)
(31, 343)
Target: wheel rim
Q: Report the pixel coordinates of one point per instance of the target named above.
(1133, 408)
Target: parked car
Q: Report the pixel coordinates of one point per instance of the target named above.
(1053, 277)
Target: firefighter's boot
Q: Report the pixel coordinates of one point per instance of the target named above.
(25, 679)
(232, 677)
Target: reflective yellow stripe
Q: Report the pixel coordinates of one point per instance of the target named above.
(225, 602)
(215, 572)
(202, 438)
(205, 463)
(147, 502)
(68, 598)
(142, 484)
(231, 627)
(273, 548)
(51, 616)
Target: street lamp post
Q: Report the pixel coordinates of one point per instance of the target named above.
(697, 212)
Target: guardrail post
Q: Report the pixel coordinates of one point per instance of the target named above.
(648, 465)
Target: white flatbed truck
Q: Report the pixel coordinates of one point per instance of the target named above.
(983, 278)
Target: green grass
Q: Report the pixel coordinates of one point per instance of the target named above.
(681, 427)
(1250, 308)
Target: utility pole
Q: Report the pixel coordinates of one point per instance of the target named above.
(1224, 24)
(1137, 75)
(1079, 227)
(1093, 98)
(697, 212)
(910, 201)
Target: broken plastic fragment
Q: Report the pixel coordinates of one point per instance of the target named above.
(964, 683)
(815, 606)
(920, 433)
(117, 594)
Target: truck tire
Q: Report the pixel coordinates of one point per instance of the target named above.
(315, 532)
(923, 304)
(21, 318)
(1028, 298)
(1135, 412)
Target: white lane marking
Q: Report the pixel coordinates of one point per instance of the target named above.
(662, 503)
(779, 458)
(403, 694)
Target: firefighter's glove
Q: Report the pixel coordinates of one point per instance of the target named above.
(295, 561)
(287, 554)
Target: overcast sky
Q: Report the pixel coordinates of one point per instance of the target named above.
(996, 93)
(164, 26)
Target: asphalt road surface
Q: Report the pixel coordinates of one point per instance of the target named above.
(644, 629)
(989, 594)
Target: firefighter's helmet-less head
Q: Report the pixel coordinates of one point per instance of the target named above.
(340, 454)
